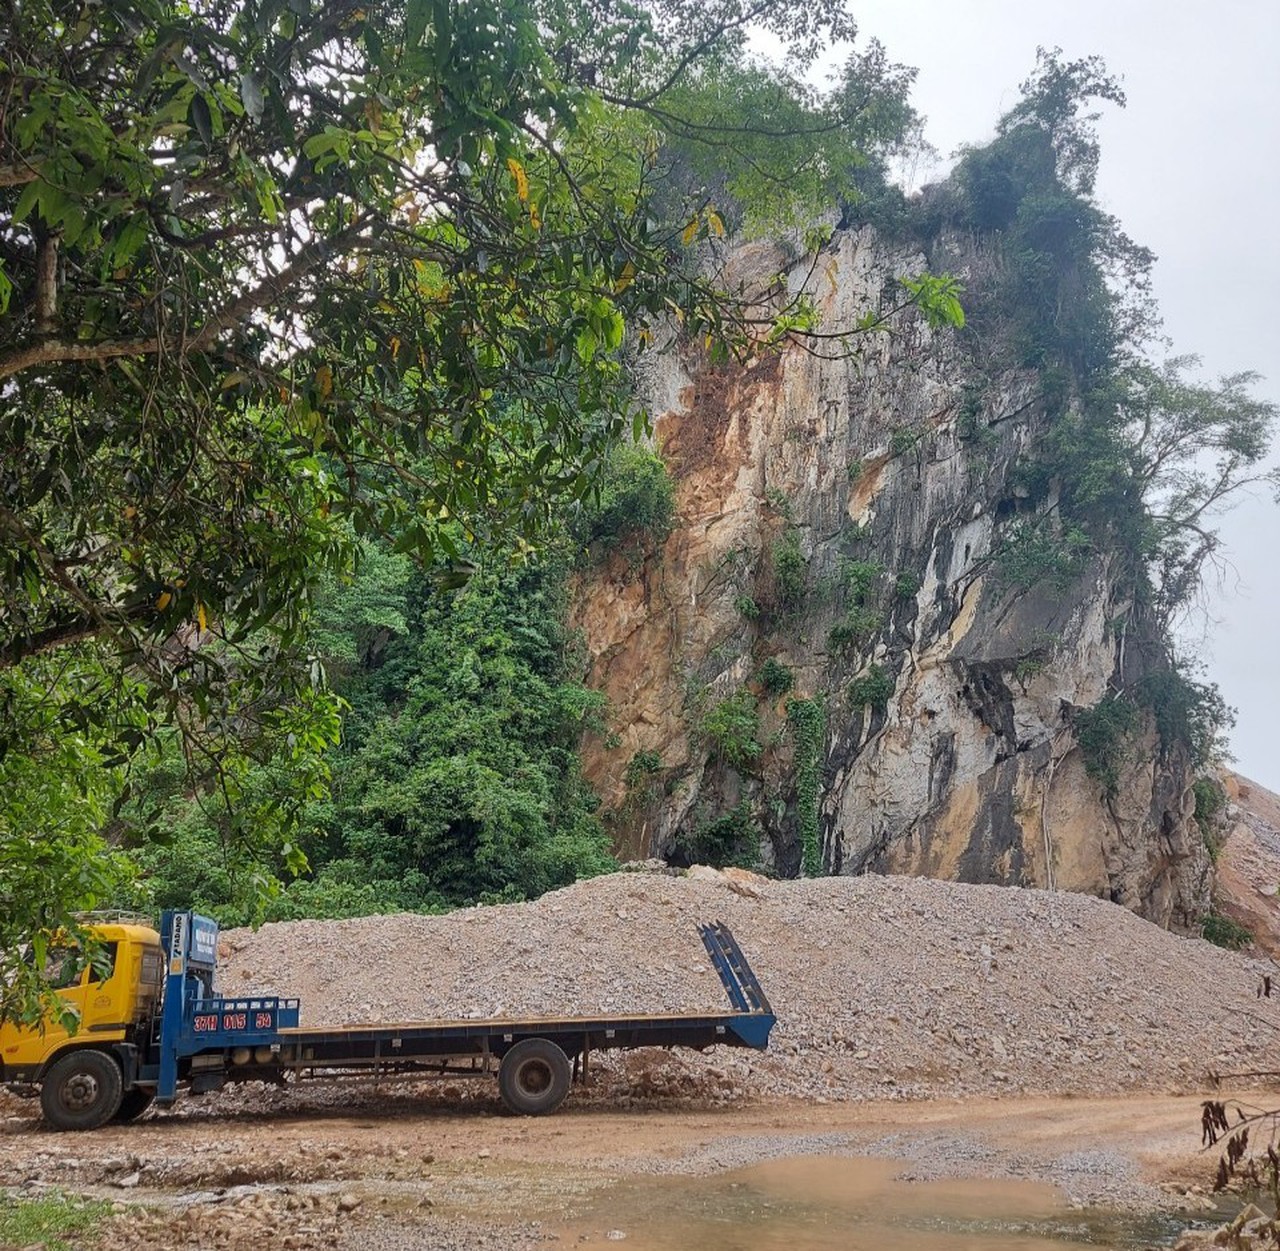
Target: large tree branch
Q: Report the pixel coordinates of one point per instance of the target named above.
(71, 630)
(271, 290)
(17, 175)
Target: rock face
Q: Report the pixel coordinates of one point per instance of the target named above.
(841, 516)
(1247, 882)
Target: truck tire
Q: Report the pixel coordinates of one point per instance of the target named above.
(133, 1104)
(534, 1077)
(82, 1090)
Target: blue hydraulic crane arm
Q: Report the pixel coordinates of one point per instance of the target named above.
(188, 973)
(193, 1018)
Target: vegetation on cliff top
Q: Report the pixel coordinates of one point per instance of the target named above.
(1139, 455)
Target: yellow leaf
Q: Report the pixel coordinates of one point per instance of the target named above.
(324, 381)
(522, 181)
(163, 601)
(626, 278)
(534, 220)
(130, 512)
(713, 220)
(201, 617)
(395, 347)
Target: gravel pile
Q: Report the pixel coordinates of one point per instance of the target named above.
(884, 987)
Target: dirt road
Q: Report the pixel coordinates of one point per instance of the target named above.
(407, 1169)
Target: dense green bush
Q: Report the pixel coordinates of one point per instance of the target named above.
(872, 689)
(790, 571)
(859, 578)
(775, 677)
(906, 586)
(1035, 555)
(635, 501)
(1105, 733)
(1224, 932)
(1186, 711)
(733, 838)
(1211, 800)
(458, 778)
(857, 628)
(731, 728)
(904, 439)
(642, 766)
(807, 718)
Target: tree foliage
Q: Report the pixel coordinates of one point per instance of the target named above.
(56, 789)
(457, 779)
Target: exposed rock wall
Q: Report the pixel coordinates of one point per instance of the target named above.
(890, 475)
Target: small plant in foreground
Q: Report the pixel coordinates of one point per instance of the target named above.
(48, 1220)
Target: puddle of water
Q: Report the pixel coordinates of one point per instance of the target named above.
(818, 1203)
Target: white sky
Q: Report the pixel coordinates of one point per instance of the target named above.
(1192, 169)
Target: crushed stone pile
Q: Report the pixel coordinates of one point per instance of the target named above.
(884, 987)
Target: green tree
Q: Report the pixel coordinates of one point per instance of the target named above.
(56, 790)
(457, 779)
(1139, 456)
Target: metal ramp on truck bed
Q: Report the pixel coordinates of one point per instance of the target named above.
(739, 979)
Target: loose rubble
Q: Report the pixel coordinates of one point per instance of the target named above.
(884, 987)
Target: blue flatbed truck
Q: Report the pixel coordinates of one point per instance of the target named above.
(168, 1033)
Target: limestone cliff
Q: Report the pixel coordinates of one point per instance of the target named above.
(839, 516)
(1247, 883)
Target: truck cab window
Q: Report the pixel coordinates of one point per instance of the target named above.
(104, 964)
(152, 966)
(62, 967)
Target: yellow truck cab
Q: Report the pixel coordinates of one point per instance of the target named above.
(112, 1003)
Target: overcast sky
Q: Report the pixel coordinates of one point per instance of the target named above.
(1192, 169)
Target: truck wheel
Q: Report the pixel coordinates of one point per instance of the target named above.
(134, 1103)
(82, 1090)
(534, 1077)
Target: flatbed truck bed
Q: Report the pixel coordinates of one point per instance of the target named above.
(195, 1041)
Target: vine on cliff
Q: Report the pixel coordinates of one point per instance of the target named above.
(808, 722)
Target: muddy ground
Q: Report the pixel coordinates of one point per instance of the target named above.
(412, 1168)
